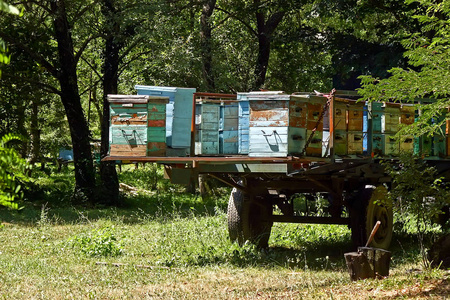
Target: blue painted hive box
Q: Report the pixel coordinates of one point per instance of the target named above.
(216, 124)
(179, 114)
(137, 125)
(263, 123)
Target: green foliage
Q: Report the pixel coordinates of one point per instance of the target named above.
(418, 193)
(8, 8)
(12, 172)
(99, 243)
(428, 54)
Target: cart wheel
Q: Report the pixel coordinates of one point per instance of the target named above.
(372, 205)
(234, 214)
(248, 220)
(379, 208)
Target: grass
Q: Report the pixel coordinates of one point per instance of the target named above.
(175, 246)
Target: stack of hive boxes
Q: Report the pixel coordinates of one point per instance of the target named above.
(275, 124)
(390, 126)
(137, 125)
(178, 116)
(305, 122)
(376, 114)
(268, 124)
(407, 116)
(348, 127)
(216, 124)
(355, 128)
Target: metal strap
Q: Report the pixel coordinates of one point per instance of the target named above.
(325, 108)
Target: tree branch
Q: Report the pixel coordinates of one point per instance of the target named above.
(234, 16)
(85, 44)
(33, 54)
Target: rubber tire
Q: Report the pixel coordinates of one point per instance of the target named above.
(379, 208)
(248, 220)
(234, 215)
(365, 213)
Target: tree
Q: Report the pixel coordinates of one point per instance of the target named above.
(428, 55)
(55, 24)
(5, 7)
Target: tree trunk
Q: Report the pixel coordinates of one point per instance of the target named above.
(108, 173)
(206, 43)
(264, 34)
(35, 133)
(70, 97)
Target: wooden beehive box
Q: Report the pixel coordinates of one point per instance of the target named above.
(376, 113)
(137, 125)
(268, 125)
(216, 124)
(305, 121)
(244, 116)
(179, 113)
(391, 118)
(348, 121)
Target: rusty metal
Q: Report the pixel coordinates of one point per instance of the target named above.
(209, 159)
(310, 220)
(330, 98)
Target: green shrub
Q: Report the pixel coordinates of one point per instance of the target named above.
(12, 172)
(99, 243)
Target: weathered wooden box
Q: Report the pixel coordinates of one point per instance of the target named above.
(306, 110)
(348, 124)
(268, 125)
(280, 124)
(391, 118)
(137, 125)
(216, 124)
(244, 116)
(179, 113)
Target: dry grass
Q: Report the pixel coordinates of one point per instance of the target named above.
(39, 262)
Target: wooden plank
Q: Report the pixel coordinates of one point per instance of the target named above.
(272, 142)
(156, 149)
(129, 135)
(297, 114)
(243, 128)
(355, 142)
(407, 114)
(126, 150)
(355, 117)
(269, 105)
(209, 147)
(391, 145)
(296, 140)
(439, 148)
(407, 144)
(377, 144)
(136, 99)
(340, 116)
(340, 142)
(156, 134)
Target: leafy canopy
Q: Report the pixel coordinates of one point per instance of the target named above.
(428, 54)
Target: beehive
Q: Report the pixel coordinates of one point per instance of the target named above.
(348, 121)
(306, 122)
(268, 125)
(137, 125)
(216, 124)
(245, 123)
(179, 114)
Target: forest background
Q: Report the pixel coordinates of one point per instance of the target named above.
(66, 56)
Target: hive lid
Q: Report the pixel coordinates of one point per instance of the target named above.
(137, 99)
